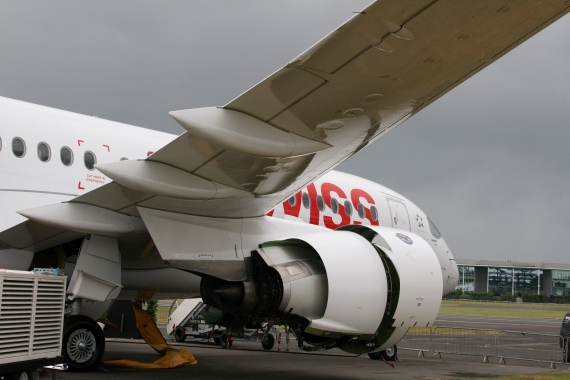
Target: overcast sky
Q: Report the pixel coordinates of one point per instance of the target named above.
(489, 162)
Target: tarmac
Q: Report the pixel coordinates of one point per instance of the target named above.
(246, 360)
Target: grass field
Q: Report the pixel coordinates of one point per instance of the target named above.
(161, 315)
(504, 310)
(478, 309)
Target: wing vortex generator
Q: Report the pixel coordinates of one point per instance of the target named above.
(358, 288)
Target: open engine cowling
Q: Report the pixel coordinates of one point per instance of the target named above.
(359, 288)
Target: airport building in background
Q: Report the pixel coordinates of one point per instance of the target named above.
(511, 277)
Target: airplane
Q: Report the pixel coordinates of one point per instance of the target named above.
(244, 208)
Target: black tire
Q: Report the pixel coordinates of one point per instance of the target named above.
(268, 341)
(390, 354)
(224, 341)
(83, 343)
(180, 334)
(22, 375)
(217, 340)
(374, 355)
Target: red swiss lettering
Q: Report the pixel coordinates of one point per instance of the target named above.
(355, 196)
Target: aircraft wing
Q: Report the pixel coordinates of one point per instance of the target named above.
(381, 67)
(372, 73)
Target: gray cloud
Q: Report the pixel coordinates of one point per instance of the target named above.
(489, 161)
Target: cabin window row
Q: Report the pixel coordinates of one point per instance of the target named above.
(45, 153)
(335, 206)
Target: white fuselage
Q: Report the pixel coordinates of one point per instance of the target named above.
(27, 181)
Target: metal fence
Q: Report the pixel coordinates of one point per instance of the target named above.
(417, 339)
(529, 346)
(460, 341)
(502, 345)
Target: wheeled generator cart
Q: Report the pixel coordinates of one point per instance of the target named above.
(31, 321)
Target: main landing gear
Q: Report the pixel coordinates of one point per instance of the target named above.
(390, 354)
(83, 343)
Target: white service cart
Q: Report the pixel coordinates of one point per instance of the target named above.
(31, 321)
(196, 319)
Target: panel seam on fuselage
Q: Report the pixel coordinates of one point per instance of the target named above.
(38, 191)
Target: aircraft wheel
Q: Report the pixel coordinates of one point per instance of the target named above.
(224, 341)
(23, 375)
(390, 354)
(268, 341)
(180, 334)
(83, 343)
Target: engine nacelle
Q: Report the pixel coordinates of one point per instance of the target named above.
(359, 288)
(416, 285)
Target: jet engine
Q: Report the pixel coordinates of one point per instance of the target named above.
(359, 288)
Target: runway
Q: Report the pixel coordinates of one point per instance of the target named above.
(541, 326)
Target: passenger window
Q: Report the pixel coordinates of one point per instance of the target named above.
(306, 200)
(361, 211)
(334, 206)
(66, 155)
(89, 159)
(124, 159)
(348, 208)
(320, 203)
(374, 213)
(18, 147)
(0, 144)
(292, 201)
(44, 152)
